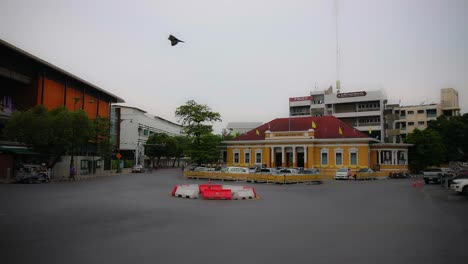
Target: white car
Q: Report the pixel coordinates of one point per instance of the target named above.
(460, 185)
(239, 170)
(268, 171)
(289, 171)
(343, 174)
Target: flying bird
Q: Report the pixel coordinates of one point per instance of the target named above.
(174, 40)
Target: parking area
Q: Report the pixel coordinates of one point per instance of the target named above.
(133, 218)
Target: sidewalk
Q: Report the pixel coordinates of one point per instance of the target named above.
(91, 176)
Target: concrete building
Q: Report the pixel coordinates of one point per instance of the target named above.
(402, 120)
(133, 128)
(449, 102)
(27, 81)
(332, 144)
(363, 109)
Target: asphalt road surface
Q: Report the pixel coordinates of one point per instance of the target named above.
(133, 219)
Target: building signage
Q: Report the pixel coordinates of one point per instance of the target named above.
(303, 98)
(352, 94)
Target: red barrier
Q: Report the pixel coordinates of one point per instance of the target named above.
(217, 194)
(203, 187)
(174, 190)
(253, 190)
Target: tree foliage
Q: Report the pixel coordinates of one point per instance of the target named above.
(428, 149)
(207, 151)
(101, 136)
(159, 145)
(196, 120)
(50, 133)
(454, 133)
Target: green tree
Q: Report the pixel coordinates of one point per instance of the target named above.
(453, 131)
(159, 145)
(427, 150)
(179, 149)
(101, 136)
(196, 120)
(50, 133)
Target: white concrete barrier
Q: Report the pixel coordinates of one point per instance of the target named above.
(187, 191)
(233, 187)
(248, 193)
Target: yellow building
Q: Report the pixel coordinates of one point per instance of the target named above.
(323, 142)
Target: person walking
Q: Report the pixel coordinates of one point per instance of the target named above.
(72, 173)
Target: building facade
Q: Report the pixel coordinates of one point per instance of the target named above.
(362, 110)
(402, 120)
(133, 128)
(324, 142)
(27, 81)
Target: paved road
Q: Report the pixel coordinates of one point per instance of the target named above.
(133, 219)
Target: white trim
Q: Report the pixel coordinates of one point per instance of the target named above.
(234, 152)
(300, 145)
(267, 142)
(340, 151)
(245, 153)
(351, 151)
(258, 151)
(390, 149)
(322, 151)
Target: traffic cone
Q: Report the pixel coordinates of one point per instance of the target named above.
(415, 184)
(420, 183)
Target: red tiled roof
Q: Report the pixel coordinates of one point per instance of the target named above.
(326, 127)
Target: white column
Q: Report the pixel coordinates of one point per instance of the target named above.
(272, 153)
(282, 157)
(394, 157)
(305, 156)
(294, 154)
(406, 157)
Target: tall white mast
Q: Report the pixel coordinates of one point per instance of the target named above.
(338, 82)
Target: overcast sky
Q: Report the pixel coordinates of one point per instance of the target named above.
(245, 58)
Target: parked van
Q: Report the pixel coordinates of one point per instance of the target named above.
(239, 170)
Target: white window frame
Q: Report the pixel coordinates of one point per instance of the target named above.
(245, 157)
(258, 151)
(353, 151)
(324, 151)
(339, 151)
(236, 151)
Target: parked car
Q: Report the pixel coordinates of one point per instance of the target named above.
(398, 175)
(239, 170)
(32, 174)
(461, 175)
(203, 169)
(310, 171)
(460, 185)
(269, 171)
(343, 174)
(138, 168)
(254, 169)
(365, 174)
(289, 171)
(436, 174)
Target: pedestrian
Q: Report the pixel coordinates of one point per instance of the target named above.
(72, 172)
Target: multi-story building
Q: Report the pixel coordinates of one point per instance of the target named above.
(332, 144)
(362, 110)
(27, 81)
(402, 120)
(449, 102)
(133, 128)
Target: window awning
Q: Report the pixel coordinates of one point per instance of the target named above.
(18, 150)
